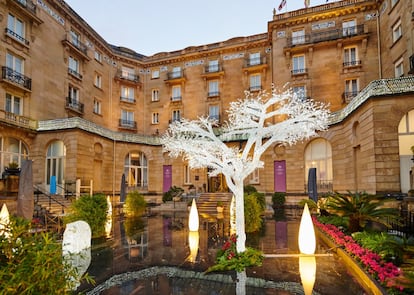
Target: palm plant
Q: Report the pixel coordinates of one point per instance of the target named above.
(361, 207)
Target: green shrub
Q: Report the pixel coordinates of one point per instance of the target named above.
(249, 189)
(174, 191)
(134, 204)
(252, 214)
(93, 210)
(338, 221)
(31, 263)
(278, 199)
(133, 227)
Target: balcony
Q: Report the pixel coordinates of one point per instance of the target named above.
(213, 94)
(255, 64)
(76, 46)
(127, 99)
(326, 36)
(299, 72)
(127, 77)
(212, 71)
(75, 74)
(353, 63)
(347, 96)
(175, 77)
(16, 36)
(16, 78)
(176, 100)
(27, 8)
(255, 88)
(17, 120)
(127, 124)
(74, 105)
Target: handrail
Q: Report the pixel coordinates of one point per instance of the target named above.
(42, 191)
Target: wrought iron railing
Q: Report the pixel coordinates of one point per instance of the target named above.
(11, 75)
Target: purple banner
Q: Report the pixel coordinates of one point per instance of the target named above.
(280, 176)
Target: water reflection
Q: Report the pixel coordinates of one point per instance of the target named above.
(154, 251)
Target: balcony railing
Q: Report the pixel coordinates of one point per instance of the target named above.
(213, 94)
(326, 36)
(74, 105)
(176, 98)
(127, 76)
(213, 69)
(77, 46)
(75, 73)
(17, 36)
(8, 74)
(299, 72)
(349, 95)
(127, 99)
(255, 88)
(352, 63)
(175, 75)
(18, 120)
(257, 61)
(128, 124)
(28, 5)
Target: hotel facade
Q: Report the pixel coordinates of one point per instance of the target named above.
(83, 109)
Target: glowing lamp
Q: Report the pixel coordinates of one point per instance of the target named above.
(193, 240)
(233, 215)
(193, 221)
(108, 224)
(307, 239)
(307, 269)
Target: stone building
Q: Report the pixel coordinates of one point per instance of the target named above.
(81, 108)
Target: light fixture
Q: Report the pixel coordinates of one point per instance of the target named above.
(4, 220)
(193, 220)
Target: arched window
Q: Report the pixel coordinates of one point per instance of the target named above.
(405, 142)
(12, 150)
(136, 169)
(55, 162)
(318, 154)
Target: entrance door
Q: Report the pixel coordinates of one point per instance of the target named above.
(280, 176)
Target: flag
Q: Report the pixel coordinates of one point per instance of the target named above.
(282, 4)
(307, 3)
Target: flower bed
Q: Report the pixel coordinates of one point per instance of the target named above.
(384, 272)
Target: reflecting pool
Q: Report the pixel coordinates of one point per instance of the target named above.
(151, 255)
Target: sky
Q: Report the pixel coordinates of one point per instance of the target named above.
(149, 27)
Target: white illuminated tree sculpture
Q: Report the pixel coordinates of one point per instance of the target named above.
(259, 122)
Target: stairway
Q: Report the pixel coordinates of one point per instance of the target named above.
(207, 202)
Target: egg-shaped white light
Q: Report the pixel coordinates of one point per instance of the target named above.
(193, 220)
(307, 239)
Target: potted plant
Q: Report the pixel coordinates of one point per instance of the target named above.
(220, 207)
(12, 169)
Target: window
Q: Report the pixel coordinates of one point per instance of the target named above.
(349, 28)
(318, 154)
(155, 95)
(214, 112)
(176, 93)
(98, 56)
(213, 66)
(98, 80)
(298, 37)
(14, 104)
(298, 65)
(255, 82)
(73, 96)
(12, 150)
(350, 57)
(351, 88)
(254, 59)
(399, 68)
(127, 119)
(187, 174)
(75, 38)
(213, 88)
(155, 118)
(16, 28)
(55, 162)
(136, 169)
(127, 94)
(300, 92)
(176, 72)
(176, 115)
(97, 105)
(254, 177)
(74, 67)
(396, 31)
(15, 63)
(155, 74)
